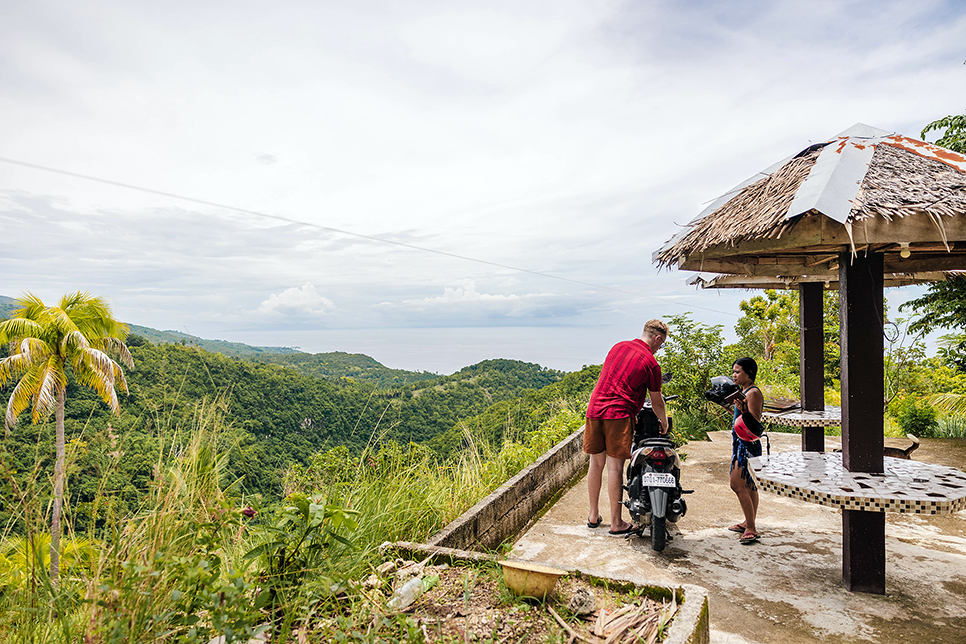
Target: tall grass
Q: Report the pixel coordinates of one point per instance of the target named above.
(951, 426)
(193, 563)
(406, 494)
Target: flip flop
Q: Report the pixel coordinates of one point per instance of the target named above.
(737, 528)
(620, 533)
(597, 524)
(749, 538)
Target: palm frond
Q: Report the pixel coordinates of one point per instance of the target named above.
(97, 371)
(52, 380)
(953, 404)
(62, 324)
(117, 345)
(22, 555)
(17, 328)
(119, 379)
(92, 315)
(14, 366)
(36, 349)
(31, 308)
(22, 396)
(74, 343)
(950, 340)
(74, 300)
(96, 360)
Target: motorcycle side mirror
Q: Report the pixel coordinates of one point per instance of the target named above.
(666, 377)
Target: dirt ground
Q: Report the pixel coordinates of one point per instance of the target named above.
(472, 604)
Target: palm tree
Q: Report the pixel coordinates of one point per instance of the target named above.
(43, 342)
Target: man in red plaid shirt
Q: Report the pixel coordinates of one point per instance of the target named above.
(630, 373)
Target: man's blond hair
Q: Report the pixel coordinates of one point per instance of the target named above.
(656, 327)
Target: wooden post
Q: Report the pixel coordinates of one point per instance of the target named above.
(863, 551)
(811, 360)
(861, 324)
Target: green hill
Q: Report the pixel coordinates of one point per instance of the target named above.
(518, 416)
(331, 366)
(7, 306)
(231, 349)
(339, 364)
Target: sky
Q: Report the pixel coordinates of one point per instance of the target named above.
(429, 183)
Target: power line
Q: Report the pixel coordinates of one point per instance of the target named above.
(255, 213)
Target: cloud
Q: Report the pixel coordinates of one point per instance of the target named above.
(466, 305)
(569, 138)
(297, 303)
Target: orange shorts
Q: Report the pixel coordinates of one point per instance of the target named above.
(612, 435)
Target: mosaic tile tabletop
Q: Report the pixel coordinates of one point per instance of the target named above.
(906, 486)
(798, 418)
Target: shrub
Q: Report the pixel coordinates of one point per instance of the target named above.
(694, 354)
(916, 417)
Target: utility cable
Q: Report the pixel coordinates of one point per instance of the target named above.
(255, 213)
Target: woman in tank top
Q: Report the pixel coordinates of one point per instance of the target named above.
(748, 410)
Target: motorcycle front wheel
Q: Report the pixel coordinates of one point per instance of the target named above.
(658, 533)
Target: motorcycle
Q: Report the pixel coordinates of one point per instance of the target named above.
(654, 478)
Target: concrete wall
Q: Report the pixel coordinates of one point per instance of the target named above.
(510, 508)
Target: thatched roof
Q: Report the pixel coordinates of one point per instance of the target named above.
(865, 187)
(757, 211)
(900, 183)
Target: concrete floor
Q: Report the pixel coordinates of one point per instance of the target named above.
(788, 587)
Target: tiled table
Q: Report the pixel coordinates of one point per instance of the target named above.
(813, 424)
(798, 418)
(906, 486)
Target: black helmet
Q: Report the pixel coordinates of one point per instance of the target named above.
(721, 388)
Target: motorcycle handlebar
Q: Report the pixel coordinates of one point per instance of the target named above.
(647, 403)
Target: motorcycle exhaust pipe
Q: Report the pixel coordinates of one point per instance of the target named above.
(678, 509)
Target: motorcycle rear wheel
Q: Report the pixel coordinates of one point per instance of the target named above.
(658, 533)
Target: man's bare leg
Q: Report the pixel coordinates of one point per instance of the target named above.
(615, 491)
(594, 481)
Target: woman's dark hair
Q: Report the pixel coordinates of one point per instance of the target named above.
(749, 366)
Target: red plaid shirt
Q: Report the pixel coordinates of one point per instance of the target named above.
(629, 372)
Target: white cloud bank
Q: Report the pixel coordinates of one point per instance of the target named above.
(304, 302)
(466, 305)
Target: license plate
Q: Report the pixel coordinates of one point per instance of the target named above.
(658, 479)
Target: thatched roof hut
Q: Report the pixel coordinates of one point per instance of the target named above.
(860, 210)
(865, 189)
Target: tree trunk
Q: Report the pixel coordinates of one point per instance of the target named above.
(58, 490)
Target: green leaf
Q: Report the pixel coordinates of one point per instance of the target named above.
(262, 599)
(338, 538)
(317, 515)
(262, 549)
(301, 503)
